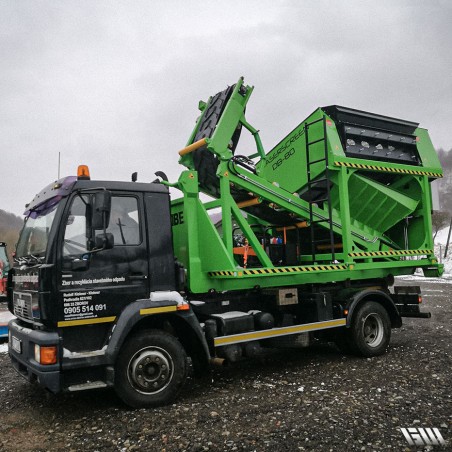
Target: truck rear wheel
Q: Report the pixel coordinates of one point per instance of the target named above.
(151, 369)
(370, 332)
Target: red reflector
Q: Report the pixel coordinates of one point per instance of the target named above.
(419, 299)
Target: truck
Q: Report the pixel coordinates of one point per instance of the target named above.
(4, 268)
(5, 316)
(115, 284)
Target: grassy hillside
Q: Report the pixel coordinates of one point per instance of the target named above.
(10, 226)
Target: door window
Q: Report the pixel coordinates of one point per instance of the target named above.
(124, 220)
(75, 242)
(124, 225)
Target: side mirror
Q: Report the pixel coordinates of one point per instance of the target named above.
(105, 241)
(101, 210)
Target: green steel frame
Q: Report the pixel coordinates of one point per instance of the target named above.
(376, 241)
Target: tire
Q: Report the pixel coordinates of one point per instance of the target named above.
(370, 331)
(151, 369)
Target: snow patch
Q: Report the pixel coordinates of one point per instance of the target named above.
(441, 237)
(440, 247)
(4, 348)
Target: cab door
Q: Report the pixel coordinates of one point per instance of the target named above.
(95, 287)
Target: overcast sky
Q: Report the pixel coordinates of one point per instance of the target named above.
(116, 84)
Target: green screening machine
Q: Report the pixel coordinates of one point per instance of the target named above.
(345, 196)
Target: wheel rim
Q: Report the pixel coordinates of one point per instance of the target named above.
(373, 331)
(150, 370)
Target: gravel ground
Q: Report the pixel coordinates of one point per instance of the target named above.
(308, 399)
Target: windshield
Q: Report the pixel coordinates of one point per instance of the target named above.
(35, 233)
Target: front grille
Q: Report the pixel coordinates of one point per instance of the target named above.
(22, 305)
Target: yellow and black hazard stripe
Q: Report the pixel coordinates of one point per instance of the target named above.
(391, 253)
(315, 268)
(225, 273)
(279, 270)
(389, 170)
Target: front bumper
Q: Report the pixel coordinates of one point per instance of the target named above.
(23, 356)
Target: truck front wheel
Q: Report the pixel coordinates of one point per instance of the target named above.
(370, 331)
(151, 369)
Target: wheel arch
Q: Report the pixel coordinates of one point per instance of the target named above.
(183, 325)
(377, 296)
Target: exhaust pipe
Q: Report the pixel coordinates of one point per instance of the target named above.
(218, 362)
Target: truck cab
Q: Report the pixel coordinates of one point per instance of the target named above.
(89, 253)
